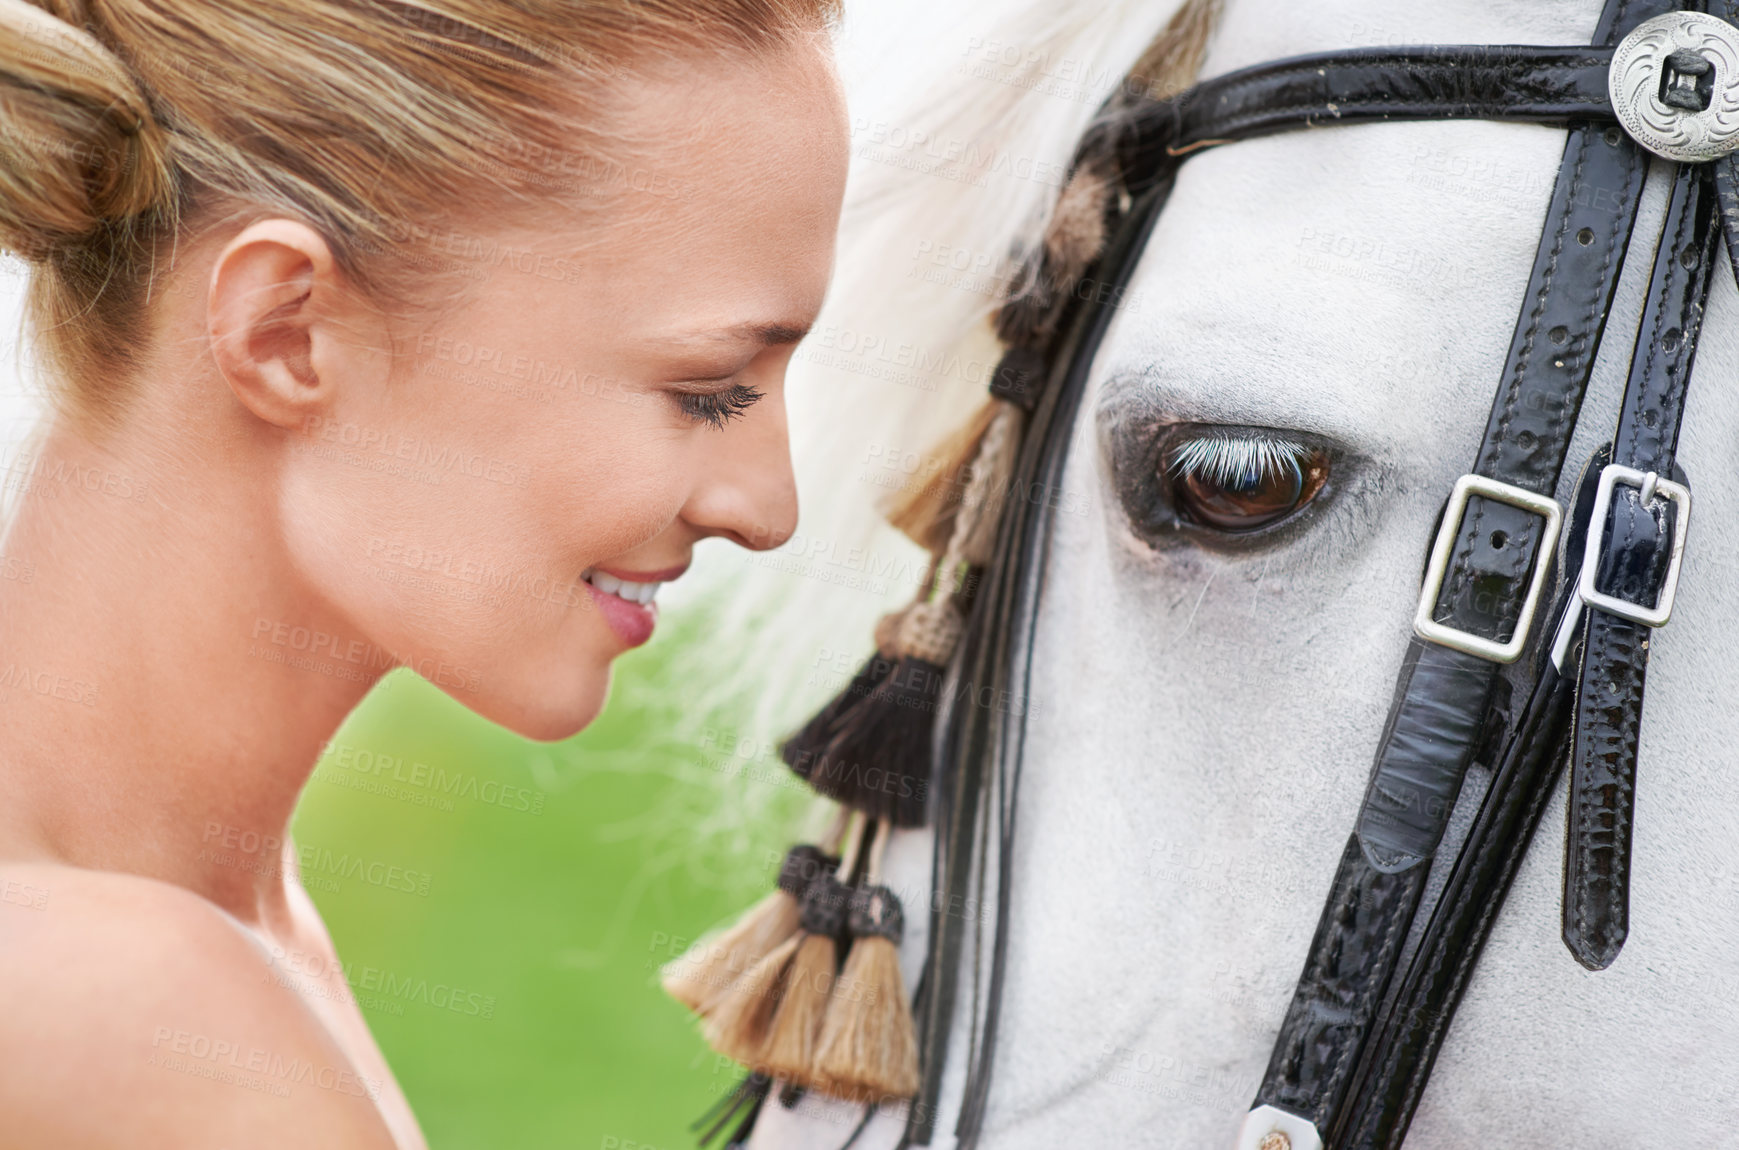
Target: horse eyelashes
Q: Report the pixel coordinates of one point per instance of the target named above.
(1216, 485)
(1233, 459)
(1238, 480)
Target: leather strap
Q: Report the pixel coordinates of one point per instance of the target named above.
(1400, 1054)
(983, 746)
(1552, 85)
(1727, 168)
(1633, 565)
(1727, 203)
(1563, 317)
(1399, 1058)
(1442, 702)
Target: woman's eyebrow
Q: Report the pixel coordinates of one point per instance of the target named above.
(764, 334)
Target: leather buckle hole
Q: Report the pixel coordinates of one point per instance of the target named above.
(1671, 340)
(1559, 335)
(1688, 258)
(1586, 235)
(1498, 540)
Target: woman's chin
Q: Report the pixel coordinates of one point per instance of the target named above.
(541, 711)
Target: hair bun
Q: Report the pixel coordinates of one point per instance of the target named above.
(79, 146)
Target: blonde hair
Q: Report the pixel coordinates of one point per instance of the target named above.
(123, 123)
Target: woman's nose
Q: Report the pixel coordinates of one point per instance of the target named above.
(747, 492)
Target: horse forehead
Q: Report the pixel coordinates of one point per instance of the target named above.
(1351, 281)
(1328, 280)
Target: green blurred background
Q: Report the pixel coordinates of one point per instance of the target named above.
(513, 986)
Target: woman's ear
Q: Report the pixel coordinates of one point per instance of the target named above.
(270, 314)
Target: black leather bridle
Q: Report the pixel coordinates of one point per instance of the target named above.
(1526, 654)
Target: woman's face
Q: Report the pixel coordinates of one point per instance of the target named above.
(496, 503)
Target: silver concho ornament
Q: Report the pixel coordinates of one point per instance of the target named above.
(1675, 86)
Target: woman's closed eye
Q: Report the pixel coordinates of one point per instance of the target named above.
(717, 408)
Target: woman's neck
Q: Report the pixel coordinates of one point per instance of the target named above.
(166, 679)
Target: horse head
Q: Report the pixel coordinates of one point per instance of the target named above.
(1291, 380)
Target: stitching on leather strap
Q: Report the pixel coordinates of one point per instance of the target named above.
(1661, 318)
(1230, 125)
(1626, 674)
(1598, 638)
(1378, 968)
(1466, 959)
(1572, 59)
(1559, 69)
(1547, 281)
(1615, 663)
(1461, 571)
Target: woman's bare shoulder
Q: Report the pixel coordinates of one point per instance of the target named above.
(138, 1012)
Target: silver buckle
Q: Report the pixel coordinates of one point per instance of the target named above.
(1437, 570)
(1651, 484)
(1674, 83)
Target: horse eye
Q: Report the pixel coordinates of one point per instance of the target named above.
(1240, 481)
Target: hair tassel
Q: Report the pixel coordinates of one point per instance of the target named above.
(803, 749)
(705, 973)
(869, 1047)
(759, 1016)
(795, 1027)
(925, 513)
(870, 748)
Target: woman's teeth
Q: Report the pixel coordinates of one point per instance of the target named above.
(641, 593)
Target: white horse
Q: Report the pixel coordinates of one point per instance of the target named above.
(1204, 715)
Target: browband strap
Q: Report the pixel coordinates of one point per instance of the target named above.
(1535, 85)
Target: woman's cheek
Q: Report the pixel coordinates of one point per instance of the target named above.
(623, 505)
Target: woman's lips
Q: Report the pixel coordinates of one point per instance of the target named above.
(632, 622)
(663, 575)
(624, 598)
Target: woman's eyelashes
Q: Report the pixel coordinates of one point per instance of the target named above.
(717, 408)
